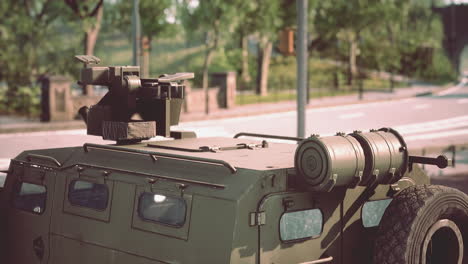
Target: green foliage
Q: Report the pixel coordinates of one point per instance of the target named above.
(29, 47)
(83, 11)
(26, 102)
(393, 35)
(464, 60)
(153, 17)
(439, 69)
(41, 36)
(267, 16)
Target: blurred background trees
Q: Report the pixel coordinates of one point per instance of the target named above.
(347, 40)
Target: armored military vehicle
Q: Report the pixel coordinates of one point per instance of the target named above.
(348, 198)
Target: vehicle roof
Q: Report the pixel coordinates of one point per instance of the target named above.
(142, 161)
(275, 156)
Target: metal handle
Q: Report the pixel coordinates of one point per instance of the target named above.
(29, 157)
(267, 136)
(38, 247)
(441, 161)
(196, 159)
(164, 155)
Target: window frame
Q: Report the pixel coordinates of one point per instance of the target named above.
(304, 238)
(157, 227)
(17, 189)
(88, 212)
(74, 181)
(160, 222)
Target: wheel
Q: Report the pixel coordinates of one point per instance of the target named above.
(424, 224)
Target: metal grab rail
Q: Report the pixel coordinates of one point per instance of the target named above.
(153, 155)
(157, 176)
(30, 157)
(267, 136)
(324, 260)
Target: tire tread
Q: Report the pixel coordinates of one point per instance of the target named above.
(398, 222)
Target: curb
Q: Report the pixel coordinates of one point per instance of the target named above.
(423, 94)
(44, 127)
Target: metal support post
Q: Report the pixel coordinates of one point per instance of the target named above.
(301, 57)
(136, 33)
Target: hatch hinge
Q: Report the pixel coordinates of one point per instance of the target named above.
(257, 218)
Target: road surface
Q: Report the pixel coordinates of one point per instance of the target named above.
(440, 119)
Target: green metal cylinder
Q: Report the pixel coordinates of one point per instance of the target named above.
(386, 156)
(323, 163)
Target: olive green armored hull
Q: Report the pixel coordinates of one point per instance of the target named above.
(225, 201)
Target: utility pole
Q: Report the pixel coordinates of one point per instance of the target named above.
(136, 33)
(301, 58)
(453, 36)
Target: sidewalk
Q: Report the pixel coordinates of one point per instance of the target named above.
(10, 124)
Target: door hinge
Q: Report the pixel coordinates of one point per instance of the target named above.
(257, 218)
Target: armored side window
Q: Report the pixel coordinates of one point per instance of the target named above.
(162, 208)
(30, 197)
(301, 225)
(373, 211)
(88, 194)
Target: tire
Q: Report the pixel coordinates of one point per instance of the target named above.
(424, 224)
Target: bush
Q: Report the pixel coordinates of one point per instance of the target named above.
(26, 100)
(440, 69)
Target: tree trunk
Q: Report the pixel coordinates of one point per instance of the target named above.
(336, 79)
(264, 66)
(206, 65)
(352, 67)
(145, 49)
(210, 49)
(90, 39)
(245, 59)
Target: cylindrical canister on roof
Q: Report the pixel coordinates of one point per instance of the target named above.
(386, 156)
(325, 162)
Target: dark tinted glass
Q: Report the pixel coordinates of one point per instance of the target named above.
(30, 197)
(88, 194)
(162, 209)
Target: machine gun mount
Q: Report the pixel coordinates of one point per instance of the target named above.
(157, 101)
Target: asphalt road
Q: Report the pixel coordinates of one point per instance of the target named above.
(440, 119)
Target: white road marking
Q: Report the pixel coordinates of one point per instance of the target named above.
(351, 116)
(462, 101)
(437, 135)
(436, 125)
(357, 105)
(421, 106)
